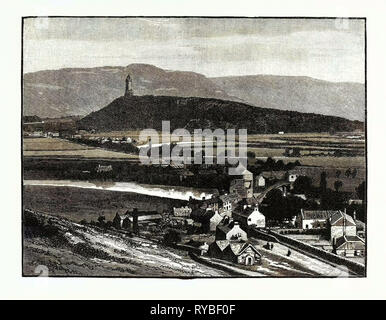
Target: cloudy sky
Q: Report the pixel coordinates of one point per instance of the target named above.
(325, 49)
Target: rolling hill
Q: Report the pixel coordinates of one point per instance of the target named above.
(140, 112)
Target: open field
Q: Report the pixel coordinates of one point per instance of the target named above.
(78, 204)
(53, 147)
(316, 149)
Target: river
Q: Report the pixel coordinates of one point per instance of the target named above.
(171, 192)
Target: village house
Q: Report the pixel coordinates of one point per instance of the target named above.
(314, 219)
(349, 246)
(141, 216)
(239, 252)
(249, 216)
(184, 174)
(237, 187)
(341, 224)
(204, 248)
(229, 202)
(274, 175)
(182, 211)
(355, 202)
(213, 203)
(208, 219)
(102, 168)
(231, 231)
(122, 222)
(361, 227)
(243, 184)
(292, 176)
(260, 181)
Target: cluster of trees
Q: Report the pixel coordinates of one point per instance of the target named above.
(272, 165)
(278, 208)
(121, 147)
(348, 173)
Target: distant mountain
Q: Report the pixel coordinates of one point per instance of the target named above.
(139, 112)
(79, 91)
(64, 92)
(302, 94)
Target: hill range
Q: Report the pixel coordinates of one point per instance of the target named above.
(80, 91)
(139, 112)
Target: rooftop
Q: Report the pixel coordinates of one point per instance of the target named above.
(317, 214)
(339, 215)
(355, 240)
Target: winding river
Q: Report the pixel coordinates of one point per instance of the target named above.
(171, 192)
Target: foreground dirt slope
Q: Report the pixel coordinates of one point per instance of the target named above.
(64, 248)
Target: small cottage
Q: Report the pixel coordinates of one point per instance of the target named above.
(232, 231)
(229, 202)
(260, 181)
(314, 219)
(182, 211)
(349, 246)
(341, 224)
(208, 219)
(239, 252)
(249, 216)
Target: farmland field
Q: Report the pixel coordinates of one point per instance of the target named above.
(53, 147)
(78, 204)
(316, 149)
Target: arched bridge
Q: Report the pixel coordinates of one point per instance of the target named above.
(282, 185)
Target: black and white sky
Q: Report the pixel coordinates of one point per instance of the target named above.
(327, 49)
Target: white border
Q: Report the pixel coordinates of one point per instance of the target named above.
(12, 285)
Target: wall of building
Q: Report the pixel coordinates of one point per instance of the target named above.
(314, 223)
(337, 231)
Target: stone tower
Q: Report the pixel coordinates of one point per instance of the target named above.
(129, 87)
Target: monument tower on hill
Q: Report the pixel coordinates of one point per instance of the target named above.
(129, 87)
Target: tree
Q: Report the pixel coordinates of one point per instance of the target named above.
(101, 220)
(251, 154)
(348, 173)
(361, 190)
(331, 200)
(276, 207)
(270, 163)
(337, 185)
(323, 182)
(303, 184)
(172, 237)
(280, 165)
(338, 173)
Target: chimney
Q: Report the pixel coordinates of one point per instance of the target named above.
(135, 221)
(355, 215)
